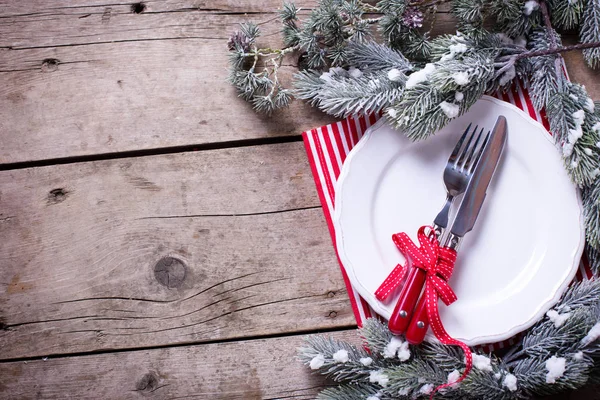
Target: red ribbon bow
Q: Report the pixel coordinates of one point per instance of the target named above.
(438, 263)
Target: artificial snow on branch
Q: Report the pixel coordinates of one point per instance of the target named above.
(547, 360)
(421, 82)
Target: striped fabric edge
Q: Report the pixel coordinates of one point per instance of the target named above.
(327, 148)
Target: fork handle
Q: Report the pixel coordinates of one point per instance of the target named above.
(419, 323)
(409, 296)
(442, 218)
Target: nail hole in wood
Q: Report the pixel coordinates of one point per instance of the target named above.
(332, 314)
(138, 8)
(170, 272)
(331, 294)
(57, 195)
(50, 64)
(148, 383)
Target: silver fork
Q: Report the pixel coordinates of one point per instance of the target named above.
(457, 174)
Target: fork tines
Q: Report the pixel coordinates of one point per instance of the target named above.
(467, 156)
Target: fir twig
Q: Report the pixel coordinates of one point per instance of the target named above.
(557, 50)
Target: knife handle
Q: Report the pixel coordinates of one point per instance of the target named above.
(406, 302)
(419, 323)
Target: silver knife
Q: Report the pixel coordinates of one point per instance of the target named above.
(466, 216)
(476, 191)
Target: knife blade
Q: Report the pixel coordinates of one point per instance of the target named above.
(474, 196)
(466, 216)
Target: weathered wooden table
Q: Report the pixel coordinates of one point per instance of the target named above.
(157, 237)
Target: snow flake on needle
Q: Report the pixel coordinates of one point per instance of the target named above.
(355, 72)
(529, 6)
(451, 110)
(397, 346)
(317, 361)
(341, 356)
(455, 49)
(419, 76)
(379, 377)
(589, 105)
(556, 368)
(482, 363)
(394, 75)
(453, 377)
(366, 361)
(508, 75)
(574, 134)
(558, 319)
(426, 389)
(510, 382)
(461, 78)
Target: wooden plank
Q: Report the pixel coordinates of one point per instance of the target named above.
(82, 246)
(112, 98)
(76, 86)
(92, 21)
(245, 370)
(90, 77)
(74, 26)
(579, 72)
(41, 8)
(248, 370)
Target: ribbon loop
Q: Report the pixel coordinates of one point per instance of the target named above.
(438, 263)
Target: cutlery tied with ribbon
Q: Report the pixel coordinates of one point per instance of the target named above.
(429, 266)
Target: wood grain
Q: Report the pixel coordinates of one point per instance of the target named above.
(74, 86)
(248, 370)
(80, 243)
(86, 77)
(111, 98)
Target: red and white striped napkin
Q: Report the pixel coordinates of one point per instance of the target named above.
(327, 148)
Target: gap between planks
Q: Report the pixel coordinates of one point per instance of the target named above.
(151, 152)
(332, 330)
(249, 369)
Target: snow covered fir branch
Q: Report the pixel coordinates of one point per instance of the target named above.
(559, 352)
(358, 57)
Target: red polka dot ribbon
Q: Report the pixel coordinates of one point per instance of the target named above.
(438, 263)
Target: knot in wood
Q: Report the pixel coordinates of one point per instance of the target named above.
(50, 64)
(138, 8)
(170, 272)
(58, 195)
(148, 382)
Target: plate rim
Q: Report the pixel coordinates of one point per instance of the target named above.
(376, 305)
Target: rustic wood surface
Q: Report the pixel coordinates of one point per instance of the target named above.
(244, 370)
(157, 237)
(84, 241)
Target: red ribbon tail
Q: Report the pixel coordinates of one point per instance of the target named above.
(391, 282)
(444, 337)
(468, 368)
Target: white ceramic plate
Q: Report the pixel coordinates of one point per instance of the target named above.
(526, 244)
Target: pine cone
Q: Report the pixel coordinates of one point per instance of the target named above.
(239, 41)
(412, 17)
